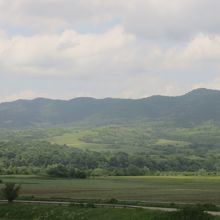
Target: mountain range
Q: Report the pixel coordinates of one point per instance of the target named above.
(197, 106)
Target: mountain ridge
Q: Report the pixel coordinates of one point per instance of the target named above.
(194, 107)
(109, 98)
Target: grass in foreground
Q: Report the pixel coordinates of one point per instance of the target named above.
(52, 212)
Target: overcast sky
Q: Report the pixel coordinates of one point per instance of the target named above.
(108, 48)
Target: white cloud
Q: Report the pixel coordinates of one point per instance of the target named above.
(148, 85)
(173, 19)
(125, 45)
(69, 53)
(119, 49)
(202, 50)
(213, 84)
(72, 53)
(112, 53)
(28, 94)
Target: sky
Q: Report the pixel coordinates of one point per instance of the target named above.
(63, 49)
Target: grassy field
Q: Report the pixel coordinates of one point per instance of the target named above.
(142, 137)
(114, 138)
(73, 138)
(152, 189)
(150, 137)
(53, 212)
(29, 212)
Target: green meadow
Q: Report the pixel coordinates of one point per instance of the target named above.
(23, 212)
(151, 137)
(53, 212)
(161, 189)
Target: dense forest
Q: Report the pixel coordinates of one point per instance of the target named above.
(44, 158)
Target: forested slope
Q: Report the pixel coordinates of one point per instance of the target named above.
(195, 107)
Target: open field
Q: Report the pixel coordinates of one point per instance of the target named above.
(48, 212)
(151, 137)
(21, 212)
(96, 214)
(152, 189)
(135, 138)
(73, 138)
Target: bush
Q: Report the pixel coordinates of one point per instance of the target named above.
(80, 174)
(99, 172)
(90, 205)
(191, 213)
(57, 171)
(209, 207)
(63, 171)
(77, 205)
(10, 191)
(112, 201)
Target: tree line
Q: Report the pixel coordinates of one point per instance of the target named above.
(40, 157)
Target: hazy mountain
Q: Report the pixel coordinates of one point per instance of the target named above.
(194, 107)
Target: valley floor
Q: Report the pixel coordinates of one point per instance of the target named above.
(167, 189)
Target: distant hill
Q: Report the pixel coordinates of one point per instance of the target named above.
(197, 106)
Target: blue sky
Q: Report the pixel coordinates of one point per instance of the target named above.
(125, 48)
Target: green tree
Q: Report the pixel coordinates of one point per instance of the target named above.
(57, 171)
(10, 191)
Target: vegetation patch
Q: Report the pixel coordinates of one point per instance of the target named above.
(48, 212)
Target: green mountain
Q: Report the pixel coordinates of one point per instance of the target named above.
(135, 137)
(192, 108)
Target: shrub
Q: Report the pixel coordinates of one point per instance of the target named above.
(57, 171)
(80, 174)
(112, 201)
(191, 213)
(90, 205)
(209, 207)
(77, 205)
(10, 191)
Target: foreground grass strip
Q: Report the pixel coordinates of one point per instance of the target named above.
(56, 212)
(18, 211)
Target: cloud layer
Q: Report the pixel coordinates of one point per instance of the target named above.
(132, 48)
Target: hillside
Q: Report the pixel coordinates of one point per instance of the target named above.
(194, 107)
(153, 134)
